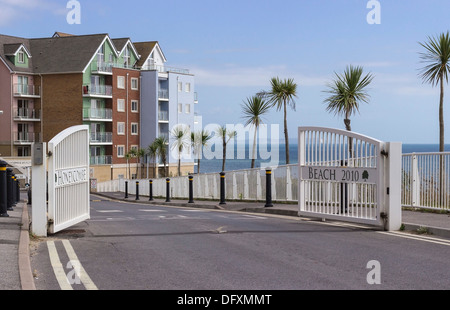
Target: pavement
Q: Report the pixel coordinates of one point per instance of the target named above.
(15, 267)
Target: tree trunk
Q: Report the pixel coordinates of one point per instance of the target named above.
(179, 165)
(286, 135)
(441, 144)
(254, 149)
(348, 127)
(198, 166)
(224, 152)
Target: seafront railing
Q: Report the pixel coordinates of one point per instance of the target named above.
(425, 183)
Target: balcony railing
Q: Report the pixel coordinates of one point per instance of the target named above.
(163, 94)
(102, 67)
(24, 90)
(195, 97)
(101, 137)
(26, 137)
(101, 160)
(27, 115)
(163, 116)
(97, 90)
(97, 114)
(164, 69)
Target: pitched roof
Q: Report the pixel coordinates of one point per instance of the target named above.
(7, 46)
(58, 34)
(64, 54)
(145, 49)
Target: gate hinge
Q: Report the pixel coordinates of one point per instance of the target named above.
(384, 153)
(387, 191)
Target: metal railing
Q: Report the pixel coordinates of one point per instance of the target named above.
(27, 114)
(101, 160)
(101, 137)
(163, 116)
(97, 90)
(26, 137)
(97, 114)
(426, 180)
(163, 94)
(163, 69)
(105, 67)
(26, 90)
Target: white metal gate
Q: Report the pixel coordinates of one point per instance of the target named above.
(342, 176)
(68, 178)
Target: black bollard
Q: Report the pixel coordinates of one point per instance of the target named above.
(3, 190)
(14, 190)
(151, 190)
(126, 189)
(137, 190)
(29, 195)
(10, 190)
(167, 190)
(18, 190)
(222, 188)
(268, 189)
(191, 189)
(344, 194)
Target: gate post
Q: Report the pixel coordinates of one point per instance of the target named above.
(268, 188)
(191, 189)
(150, 190)
(167, 190)
(393, 189)
(39, 189)
(3, 190)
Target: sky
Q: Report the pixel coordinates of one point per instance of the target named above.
(235, 47)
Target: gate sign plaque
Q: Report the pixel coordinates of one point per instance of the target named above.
(340, 174)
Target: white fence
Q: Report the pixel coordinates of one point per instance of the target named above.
(426, 180)
(420, 183)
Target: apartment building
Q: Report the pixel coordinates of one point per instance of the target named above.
(122, 90)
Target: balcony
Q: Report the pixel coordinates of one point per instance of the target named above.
(101, 138)
(101, 160)
(195, 97)
(164, 69)
(97, 91)
(27, 91)
(163, 94)
(103, 68)
(102, 115)
(26, 138)
(27, 115)
(163, 116)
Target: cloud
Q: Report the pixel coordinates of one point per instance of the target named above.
(244, 76)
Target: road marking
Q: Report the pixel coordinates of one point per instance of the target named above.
(58, 267)
(414, 237)
(109, 211)
(151, 210)
(84, 277)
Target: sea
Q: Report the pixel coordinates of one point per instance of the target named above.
(242, 162)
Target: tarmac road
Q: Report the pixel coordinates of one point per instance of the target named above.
(133, 246)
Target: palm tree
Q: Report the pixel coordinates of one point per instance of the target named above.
(346, 93)
(152, 151)
(437, 58)
(140, 153)
(198, 141)
(282, 95)
(161, 144)
(226, 135)
(128, 156)
(180, 134)
(253, 110)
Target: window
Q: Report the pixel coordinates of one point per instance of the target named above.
(121, 151)
(121, 82)
(134, 84)
(180, 87)
(188, 108)
(188, 87)
(127, 58)
(21, 57)
(121, 128)
(120, 105)
(134, 128)
(180, 108)
(134, 106)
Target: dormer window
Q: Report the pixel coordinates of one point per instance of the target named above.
(21, 57)
(126, 57)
